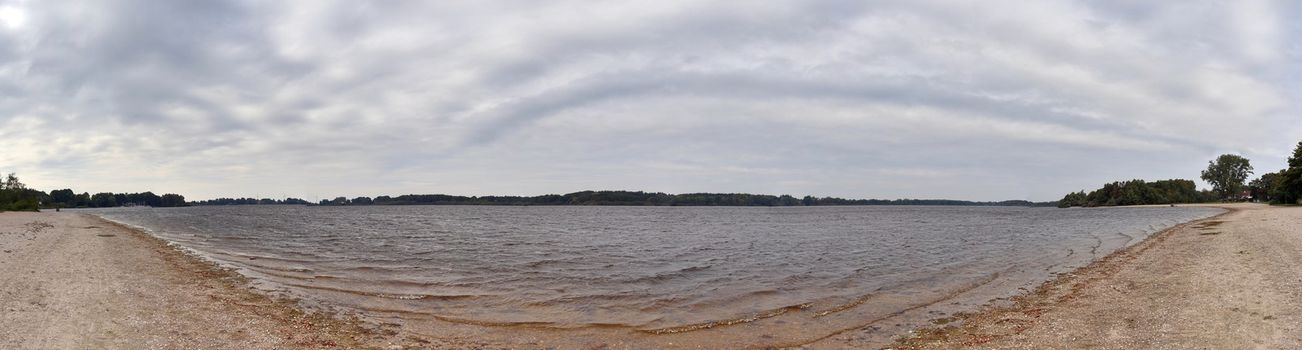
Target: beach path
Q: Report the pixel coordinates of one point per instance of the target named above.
(71, 281)
(1229, 282)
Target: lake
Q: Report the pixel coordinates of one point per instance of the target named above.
(651, 270)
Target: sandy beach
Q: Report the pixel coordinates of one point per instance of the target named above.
(1228, 282)
(72, 281)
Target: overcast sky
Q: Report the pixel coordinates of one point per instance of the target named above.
(979, 100)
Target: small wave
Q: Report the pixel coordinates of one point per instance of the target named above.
(712, 324)
(661, 277)
(586, 299)
(695, 268)
(374, 268)
(762, 292)
(275, 273)
(947, 295)
(1129, 238)
(540, 263)
(416, 296)
(386, 295)
(846, 306)
(492, 323)
(252, 257)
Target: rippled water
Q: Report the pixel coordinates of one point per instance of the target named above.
(655, 269)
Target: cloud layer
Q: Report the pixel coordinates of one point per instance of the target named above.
(969, 100)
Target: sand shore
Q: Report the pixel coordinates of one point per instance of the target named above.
(1228, 282)
(71, 281)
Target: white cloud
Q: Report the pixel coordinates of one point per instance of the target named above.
(12, 17)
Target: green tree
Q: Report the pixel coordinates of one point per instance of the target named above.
(62, 198)
(11, 183)
(103, 200)
(14, 195)
(171, 200)
(1263, 187)
(81, 201)
(1296, 160)
(1135, 192)
(1226, 174)
(1074, 199)
(1288, 188)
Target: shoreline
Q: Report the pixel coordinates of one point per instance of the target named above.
(914, 335)
(946, 326)
(1127, 298)
(286, 323)
(905, 309)
(74, 280)
(330, 330)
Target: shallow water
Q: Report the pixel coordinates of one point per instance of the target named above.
(652, 269)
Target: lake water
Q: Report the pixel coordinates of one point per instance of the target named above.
(654, 270)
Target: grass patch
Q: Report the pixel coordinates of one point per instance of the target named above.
(1210, 233)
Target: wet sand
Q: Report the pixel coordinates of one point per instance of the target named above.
(1229, 282)
(70, 281)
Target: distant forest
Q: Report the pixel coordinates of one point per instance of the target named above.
(251, 201)
(626, 198)
(15, 196)
(1139, 192)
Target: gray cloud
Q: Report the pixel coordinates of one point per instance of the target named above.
(968, 100)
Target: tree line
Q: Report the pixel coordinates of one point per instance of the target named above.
(251, 201)
(15, 196)
(1227, 175)
(1138, 192)
(66, 198)
(1283, 186)
(639, 198)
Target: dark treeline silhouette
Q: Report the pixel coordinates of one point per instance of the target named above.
(1139, 192)
(250, 201)
(639, 198)
(14, 195)
(66, 198)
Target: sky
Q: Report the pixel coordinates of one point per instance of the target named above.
(975, 100)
